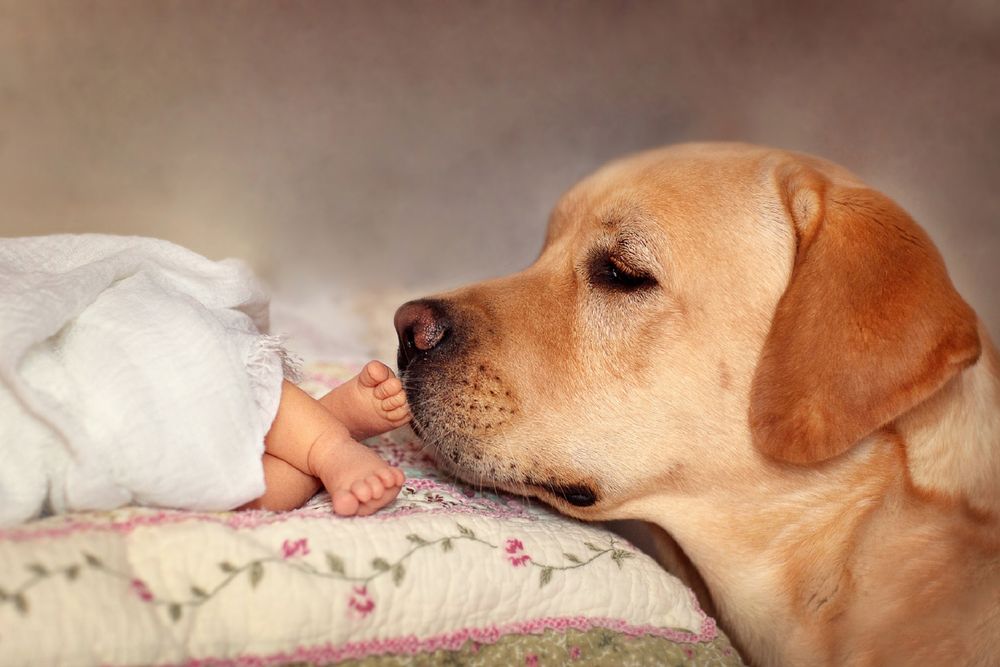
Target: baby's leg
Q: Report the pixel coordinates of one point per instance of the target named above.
(358, 480)
(308, 437)
(286, 487)
(370, 403)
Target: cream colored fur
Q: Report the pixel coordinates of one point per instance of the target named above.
(826, 536)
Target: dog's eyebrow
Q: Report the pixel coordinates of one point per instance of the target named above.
(629, 236)
(634, 248)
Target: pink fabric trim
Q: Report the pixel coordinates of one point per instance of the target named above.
(453, 641)
(256, 518)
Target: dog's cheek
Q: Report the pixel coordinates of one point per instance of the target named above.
(485, 400)
(462, 403)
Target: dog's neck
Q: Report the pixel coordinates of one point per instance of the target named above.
(953, 439)
(801, 541)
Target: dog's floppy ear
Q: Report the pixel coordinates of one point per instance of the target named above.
(869, 325)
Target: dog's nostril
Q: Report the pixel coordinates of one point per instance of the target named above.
(421, 326)
(428, 335)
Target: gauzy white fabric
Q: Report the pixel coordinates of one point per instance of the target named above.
(132, 371)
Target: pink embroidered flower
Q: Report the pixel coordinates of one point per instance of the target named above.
(531, 660)
(360, 603)
(299, 547)
(519, 561)
(688, 652)
(142, 590)
(513, 546)
(575, 652)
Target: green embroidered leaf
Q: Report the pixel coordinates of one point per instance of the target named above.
(398, 572)
(256, 574)
(199, 592)
(446, 544)
(227, 567)
(72, 572)
(175, 612)
(380, 564)
(618, 555)
(545, 577)
(21, 604)
(92, 560)
(38, 569)
(571, 558)
(416, 539)
(465, 531)
(590, 546)
(335, 563)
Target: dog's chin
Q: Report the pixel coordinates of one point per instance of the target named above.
(464, 435)
(458, 455)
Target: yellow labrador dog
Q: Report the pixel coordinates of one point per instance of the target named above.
(765, 357)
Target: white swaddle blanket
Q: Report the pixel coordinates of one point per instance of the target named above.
(131, 371)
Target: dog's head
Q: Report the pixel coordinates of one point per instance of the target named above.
(693, 308)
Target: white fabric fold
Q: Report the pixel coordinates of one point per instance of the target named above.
(132, 371)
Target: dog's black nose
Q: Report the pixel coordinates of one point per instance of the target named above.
(421, 326)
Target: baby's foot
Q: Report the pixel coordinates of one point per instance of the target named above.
(370, 403)
(358, 480)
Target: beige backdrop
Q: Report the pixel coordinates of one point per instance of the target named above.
(392, 147)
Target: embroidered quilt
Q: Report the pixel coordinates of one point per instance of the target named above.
(447, 574)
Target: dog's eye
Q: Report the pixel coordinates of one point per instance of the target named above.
(610, 272)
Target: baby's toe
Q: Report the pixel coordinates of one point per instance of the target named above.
(389, 388)
(376, 486)
(390, 476)
(399, 415)
(394, 401)
(361, 491)
(374, 505)
(369, 508)
(345, 503)
(374, 373)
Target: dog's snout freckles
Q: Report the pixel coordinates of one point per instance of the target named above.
(455, 397)
(457, 383)
(480, 386)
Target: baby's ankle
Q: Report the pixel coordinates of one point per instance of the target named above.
(321, 452)
(345, 403)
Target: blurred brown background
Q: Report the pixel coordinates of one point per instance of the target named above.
(401, 146)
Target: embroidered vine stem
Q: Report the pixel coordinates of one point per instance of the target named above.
(17, 596)
(290, 558)
(617, 555)
(382, 566)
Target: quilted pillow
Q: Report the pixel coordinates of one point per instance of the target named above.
(446, 574)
